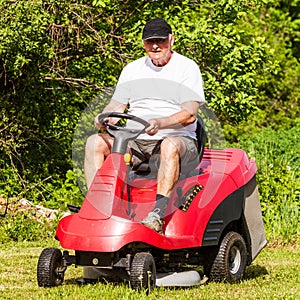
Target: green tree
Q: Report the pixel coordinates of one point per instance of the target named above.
(56, 56)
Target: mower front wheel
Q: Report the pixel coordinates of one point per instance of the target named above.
(230, 262)
(50, 268)
(143, 271)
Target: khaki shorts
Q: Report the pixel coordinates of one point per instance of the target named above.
(147, 152)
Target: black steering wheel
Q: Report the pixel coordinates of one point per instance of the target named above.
(122, 134)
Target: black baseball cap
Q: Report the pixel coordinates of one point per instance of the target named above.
(156, 28)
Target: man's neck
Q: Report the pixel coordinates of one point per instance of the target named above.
(162, 62)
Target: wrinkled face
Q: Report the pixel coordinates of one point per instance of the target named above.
(159, 50)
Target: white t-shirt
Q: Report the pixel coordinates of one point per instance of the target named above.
(157, 92)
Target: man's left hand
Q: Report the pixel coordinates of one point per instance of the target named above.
(153, 128)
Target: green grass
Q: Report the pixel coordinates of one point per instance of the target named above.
(273, 275)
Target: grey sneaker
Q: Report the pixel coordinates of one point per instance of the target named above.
(153, 221)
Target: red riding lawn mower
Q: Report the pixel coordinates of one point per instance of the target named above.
(213, 219)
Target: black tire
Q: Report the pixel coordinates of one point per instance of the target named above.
(143, 271)
(231, 260)
(50, 268)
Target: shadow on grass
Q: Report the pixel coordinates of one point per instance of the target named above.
(254, 271)
(112, 281)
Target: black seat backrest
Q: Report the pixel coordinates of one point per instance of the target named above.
(201, 136)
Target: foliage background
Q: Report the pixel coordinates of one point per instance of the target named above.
(57, 56)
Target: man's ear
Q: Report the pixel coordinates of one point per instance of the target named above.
(172, 39)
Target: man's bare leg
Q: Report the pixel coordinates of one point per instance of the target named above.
(169, 169)
(97, 148)
(170, 151)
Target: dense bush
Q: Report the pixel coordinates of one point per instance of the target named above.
(277, 154)
(24, 223)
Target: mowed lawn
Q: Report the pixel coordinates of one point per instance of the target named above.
(275, 274)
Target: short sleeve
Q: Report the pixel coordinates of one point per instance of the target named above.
(192, 85)
(122, 91)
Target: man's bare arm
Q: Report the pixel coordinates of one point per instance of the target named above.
(185, 117)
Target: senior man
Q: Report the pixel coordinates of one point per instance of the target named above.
(165, 89)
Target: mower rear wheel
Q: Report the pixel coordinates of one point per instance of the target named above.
(230, 262)
(143, 271)
(50, 268)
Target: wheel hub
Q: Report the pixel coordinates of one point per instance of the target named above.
(234, 260)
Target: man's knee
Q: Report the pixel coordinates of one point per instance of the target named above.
(169, 147)
(91, 140)
(96, 143)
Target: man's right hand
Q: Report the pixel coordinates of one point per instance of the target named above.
(99, 122)
(113, 106)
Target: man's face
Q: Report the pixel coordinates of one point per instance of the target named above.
(159, 50)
